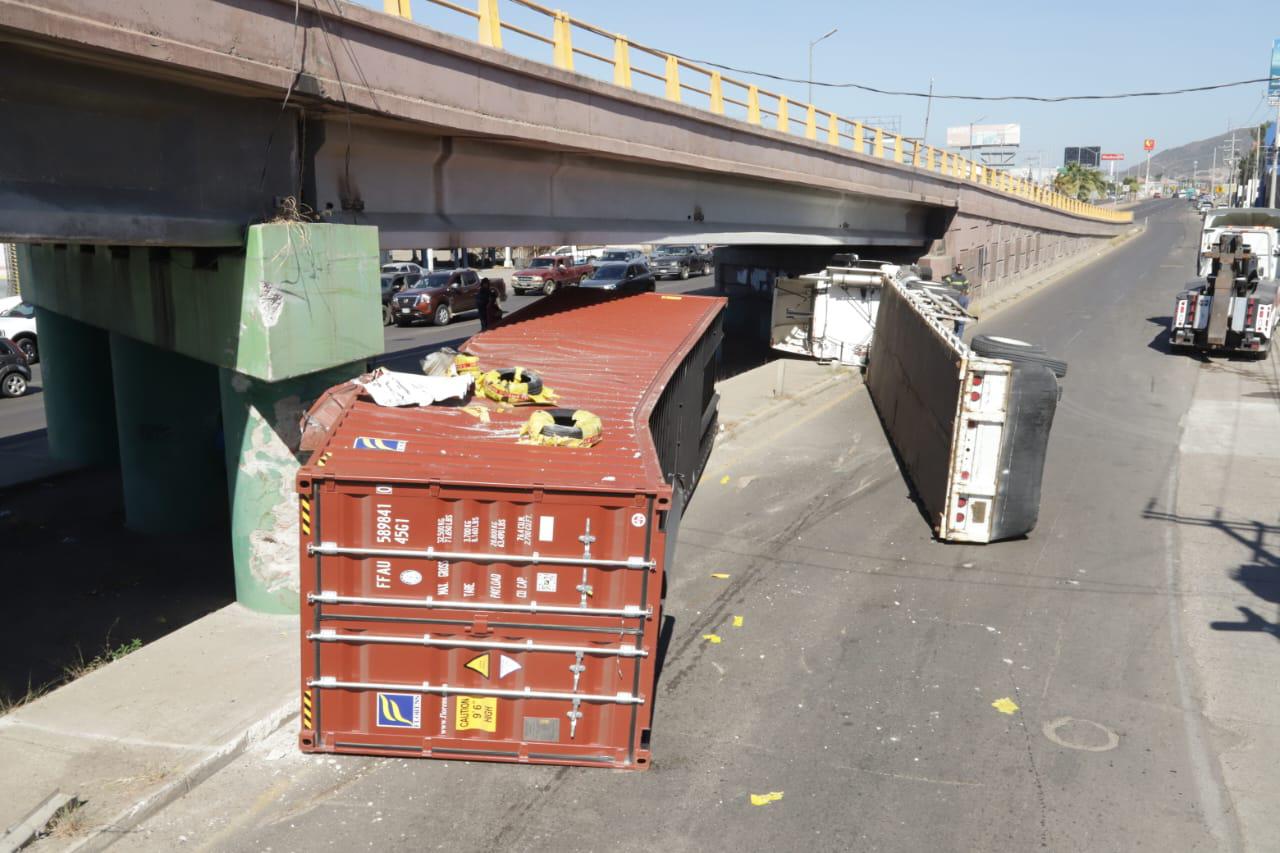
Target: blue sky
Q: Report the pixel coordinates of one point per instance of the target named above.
(1036, 47)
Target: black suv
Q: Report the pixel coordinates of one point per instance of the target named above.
(15, 374)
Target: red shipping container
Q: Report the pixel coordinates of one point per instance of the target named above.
(465, 595)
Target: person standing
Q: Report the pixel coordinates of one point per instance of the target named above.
(960, 284)
(486, 301)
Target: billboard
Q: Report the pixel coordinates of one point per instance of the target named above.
(1273, 87)
(1148, 144)
(1089, 155)
(1106, 157)
(984, 134)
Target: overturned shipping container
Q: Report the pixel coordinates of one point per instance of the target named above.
(468, 595)
(970, 423)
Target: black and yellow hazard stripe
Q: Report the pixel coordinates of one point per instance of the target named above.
(304, 507)
(306, 709)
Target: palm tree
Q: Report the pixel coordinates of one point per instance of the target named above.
(1080, 181)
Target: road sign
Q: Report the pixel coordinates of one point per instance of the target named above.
(1148, 145)
(1112, 156)
(1273, 87)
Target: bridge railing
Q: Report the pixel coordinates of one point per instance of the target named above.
(639, 67)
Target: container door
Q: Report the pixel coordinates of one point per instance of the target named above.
(791, 327)
(456, 623)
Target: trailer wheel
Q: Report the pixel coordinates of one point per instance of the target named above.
(1012, 349)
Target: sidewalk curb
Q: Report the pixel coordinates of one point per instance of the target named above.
(781, 404)
(115, 830)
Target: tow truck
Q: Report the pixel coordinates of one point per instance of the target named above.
(1236, 309)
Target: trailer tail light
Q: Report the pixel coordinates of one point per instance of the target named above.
(1180, 315)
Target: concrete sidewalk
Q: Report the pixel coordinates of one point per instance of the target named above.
(138, 733)
(142, 731)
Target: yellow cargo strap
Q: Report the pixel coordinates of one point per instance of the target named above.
(562, 428)
(516, 386)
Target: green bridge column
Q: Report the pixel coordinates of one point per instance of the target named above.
(170, 430)
(76, 384)
(262, 433)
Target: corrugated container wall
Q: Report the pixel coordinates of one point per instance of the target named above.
(469, 596)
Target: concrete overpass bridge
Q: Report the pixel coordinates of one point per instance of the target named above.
(148, 146)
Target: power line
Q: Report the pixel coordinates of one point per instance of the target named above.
(1039, 98)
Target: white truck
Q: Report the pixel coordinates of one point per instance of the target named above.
(1236, 309)
(830, 315)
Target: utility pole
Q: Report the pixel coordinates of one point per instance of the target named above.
(1275, 156)
(928, 108)
(1257, 167)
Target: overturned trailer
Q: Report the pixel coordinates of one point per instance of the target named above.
(830, 315)
(473, 591)
(970, 424)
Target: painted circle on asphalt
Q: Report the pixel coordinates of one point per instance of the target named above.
(411, 577)
(1087, 735)
(637, 520)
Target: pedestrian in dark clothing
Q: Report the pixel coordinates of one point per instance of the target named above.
(957, 282)
(486, 301)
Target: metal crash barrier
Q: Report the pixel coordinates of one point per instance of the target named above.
(970, 424)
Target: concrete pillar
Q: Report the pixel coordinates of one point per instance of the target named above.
(170, 431)
(506, 257)
(261, 427)
(431, 260)
(77, 390)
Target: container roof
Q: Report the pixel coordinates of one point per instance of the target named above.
(606, 353)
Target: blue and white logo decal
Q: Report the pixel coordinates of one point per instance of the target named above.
(364, 442)
(399, 710)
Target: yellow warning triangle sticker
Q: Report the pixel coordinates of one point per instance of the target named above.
(480, 664)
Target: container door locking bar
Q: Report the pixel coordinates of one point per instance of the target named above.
(332, 549)
(328, 682)
(329, 635)
(630, 611)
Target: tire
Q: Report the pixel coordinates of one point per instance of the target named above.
(29, 348)
(549, 288)
(13, 385)
(564, 426)
(684, 273)
(1016, 351)
(388, 316)
(443, 315)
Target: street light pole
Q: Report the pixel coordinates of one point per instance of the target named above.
(811, 44)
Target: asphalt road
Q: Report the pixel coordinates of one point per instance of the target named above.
(862, 681)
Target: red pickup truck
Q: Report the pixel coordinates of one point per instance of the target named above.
(548, 273)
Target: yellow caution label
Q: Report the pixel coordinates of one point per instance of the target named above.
(304, 506)
(306, 709)
(476, 713)
(480, 664)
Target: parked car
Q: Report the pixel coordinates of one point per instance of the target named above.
(15, 372)
(438, 296)
(393, 283)
(628, 278)
(403, 268)
(680, 261)
(549, 273)
(625, 256)
(578, 256)
(18, 324)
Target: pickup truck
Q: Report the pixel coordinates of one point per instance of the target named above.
(549, 273)
(680, 261)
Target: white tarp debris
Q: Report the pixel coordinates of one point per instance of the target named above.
(389, 388)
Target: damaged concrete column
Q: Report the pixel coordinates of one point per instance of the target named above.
(280, 317)
(260, 420)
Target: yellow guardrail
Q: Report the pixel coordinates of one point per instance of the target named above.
(762, 107)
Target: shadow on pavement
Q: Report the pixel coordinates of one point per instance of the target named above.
(80, 585)
(1260, 576)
